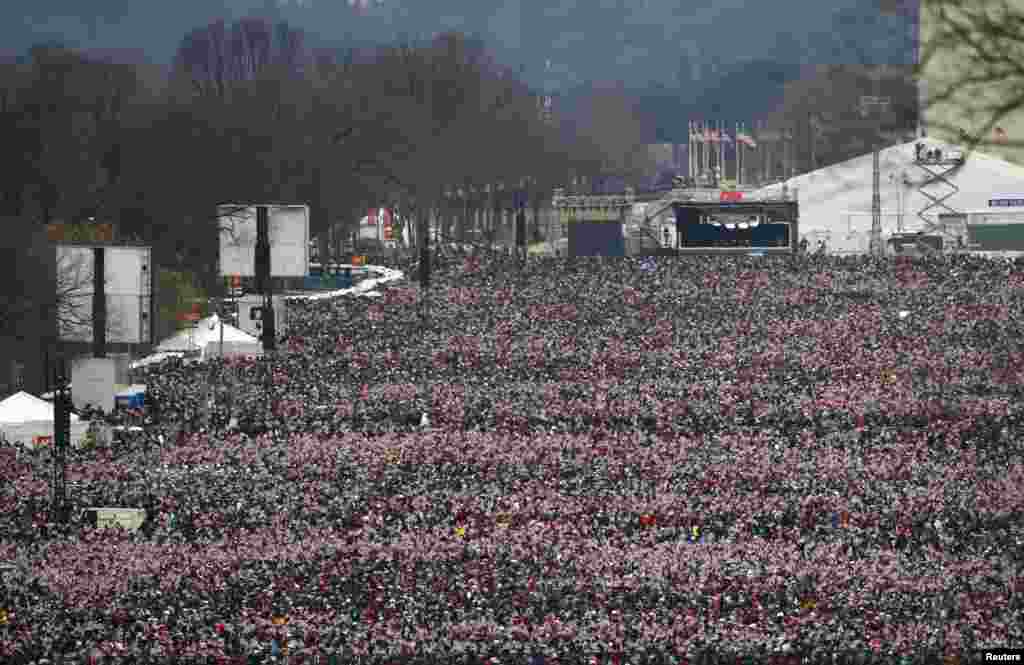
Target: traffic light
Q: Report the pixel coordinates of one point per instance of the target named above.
(521, 228)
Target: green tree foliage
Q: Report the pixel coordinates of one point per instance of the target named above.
(176, 294)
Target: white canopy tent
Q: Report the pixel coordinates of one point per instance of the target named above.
(206, 336)
(155, 358)
(835, 201)
(29, 419)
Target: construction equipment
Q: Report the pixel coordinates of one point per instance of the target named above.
(938, 164)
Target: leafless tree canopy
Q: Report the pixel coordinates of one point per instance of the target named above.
(248, 113)
(973, 58)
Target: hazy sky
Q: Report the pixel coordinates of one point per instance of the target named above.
(632, 40)
(673, 55)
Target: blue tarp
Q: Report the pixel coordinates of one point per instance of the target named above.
(332, 282)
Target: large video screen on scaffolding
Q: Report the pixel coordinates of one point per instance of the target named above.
(735, 228)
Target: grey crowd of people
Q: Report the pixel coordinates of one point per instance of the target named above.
(546, 347)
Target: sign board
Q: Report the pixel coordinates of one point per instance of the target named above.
(249, 314)
(42, 440)
(288, 234)
(93, 381)
(66, 233)
(730, 196)
(130, 519)
(868, 100)
(129, 288)
(591, 214)
(1014, 202)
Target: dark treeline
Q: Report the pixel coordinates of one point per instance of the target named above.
(248, 112)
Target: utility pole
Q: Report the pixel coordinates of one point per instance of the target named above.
(520, 212)
(263, 272)
(99, 303)
(882, 103)
(61, 440)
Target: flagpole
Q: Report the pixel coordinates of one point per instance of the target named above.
(739, 157)
(763, 157)
(689, 151)
(721, 150)
(707, 147)
(702, 148)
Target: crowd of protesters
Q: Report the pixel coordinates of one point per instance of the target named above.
(562, 459)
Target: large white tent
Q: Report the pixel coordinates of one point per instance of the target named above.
(835, 202)
(29, 419)
(205, 338)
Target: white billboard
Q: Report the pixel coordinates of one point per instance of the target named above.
(128, 285)
(288, 231)
(92, 382)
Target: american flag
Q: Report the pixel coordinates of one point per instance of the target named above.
(725, 137)
(745, 139)
(708, 136)
(715, 138)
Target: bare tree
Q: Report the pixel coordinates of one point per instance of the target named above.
(971, 65)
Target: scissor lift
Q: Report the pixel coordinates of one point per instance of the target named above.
(939, 165)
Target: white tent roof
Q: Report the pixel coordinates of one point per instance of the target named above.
(836, 201)
(155, 358)
(206, 331)
(25, 408)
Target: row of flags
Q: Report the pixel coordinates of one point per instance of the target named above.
(706, 134)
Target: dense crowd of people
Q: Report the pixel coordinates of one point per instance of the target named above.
(672, 460)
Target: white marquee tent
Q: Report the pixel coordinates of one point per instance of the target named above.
(835, 202)
(28, 419)
(205, 338)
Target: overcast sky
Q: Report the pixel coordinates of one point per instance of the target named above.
(658, 48)
(633, 40)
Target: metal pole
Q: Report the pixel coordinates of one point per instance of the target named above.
(220, 320)
(876, 202)
(61, 439)
(875, 246)
(99, 304)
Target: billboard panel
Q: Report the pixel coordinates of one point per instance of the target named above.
(92, 382)
(288, 233)
(129, 288)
